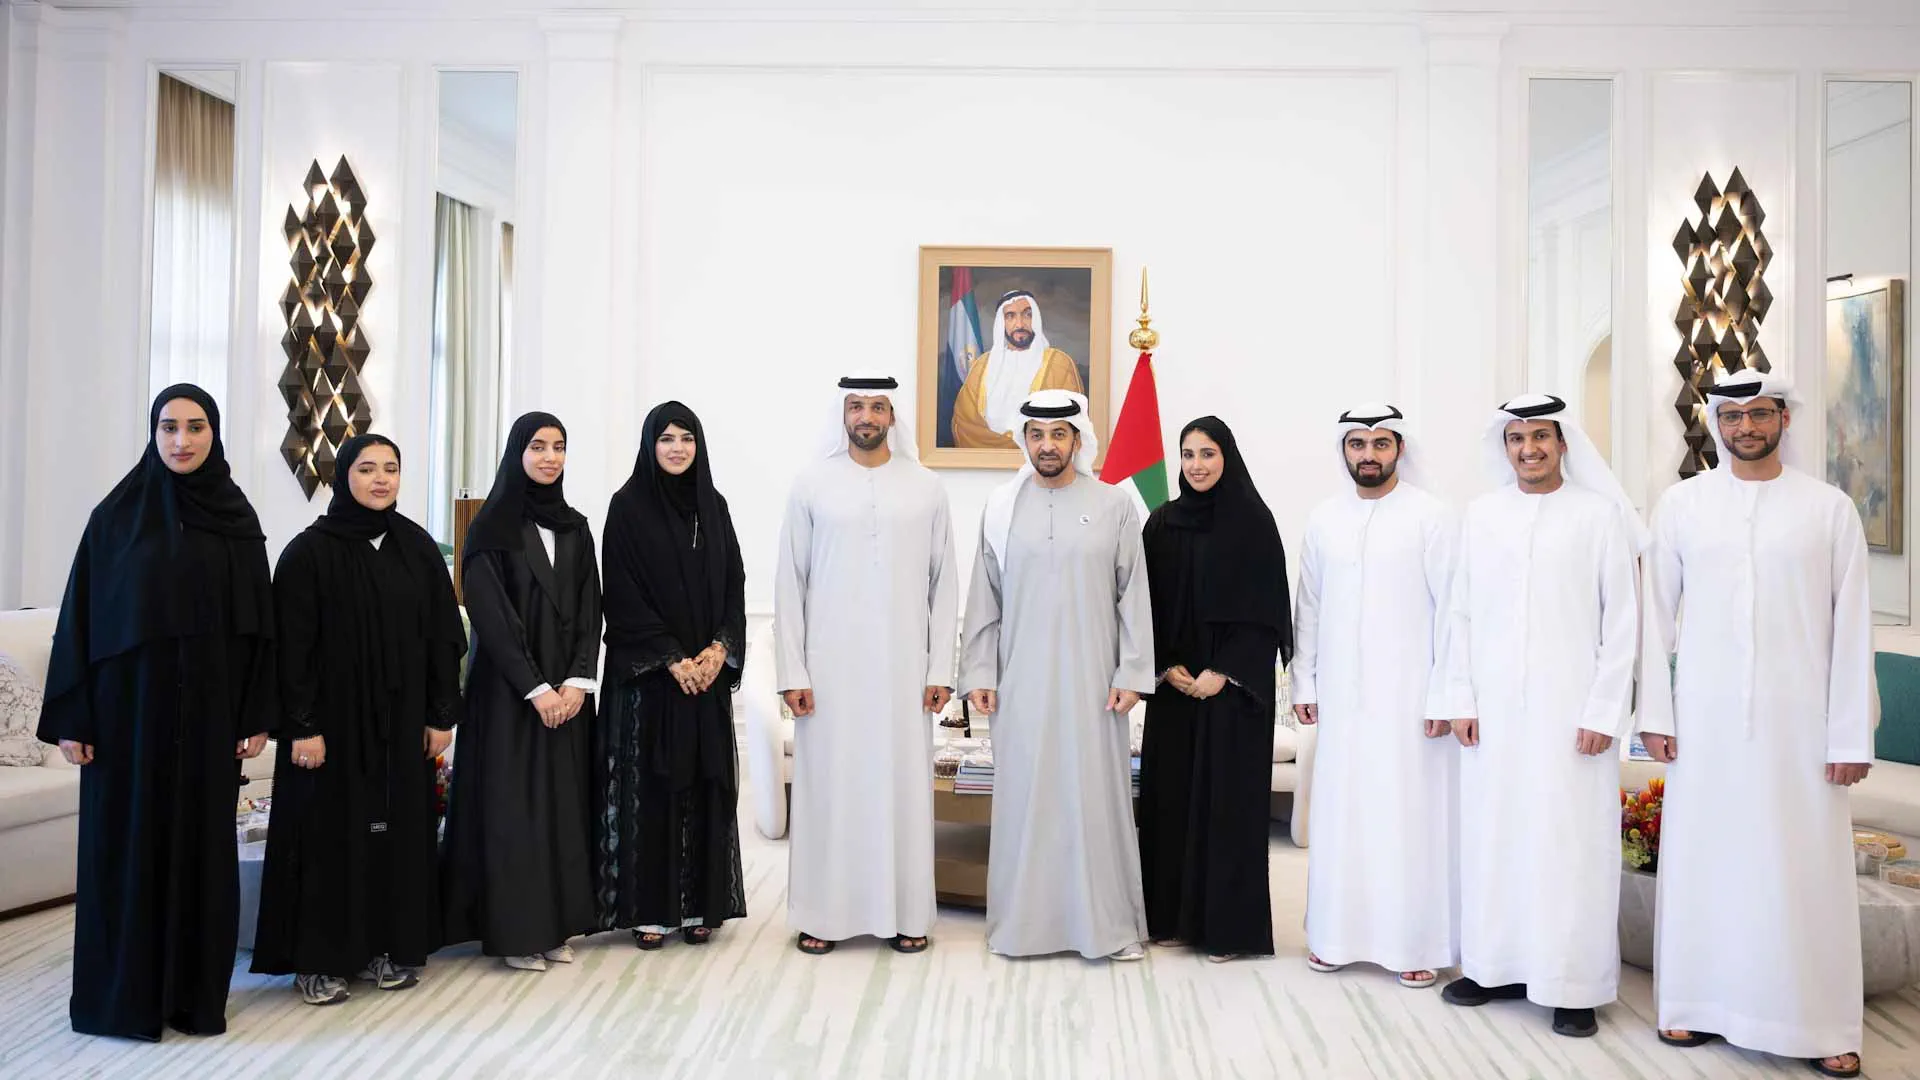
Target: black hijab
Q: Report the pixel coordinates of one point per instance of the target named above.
(667, 558)
(346, 517)
(666, 548)
(136, 579)
(517, 497)
(389, 614)
(1241, 576)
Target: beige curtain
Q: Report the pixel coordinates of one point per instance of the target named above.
(466, 378)
(193, 239)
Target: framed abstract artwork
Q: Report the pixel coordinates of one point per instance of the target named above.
(997, 323)
(1865, 383)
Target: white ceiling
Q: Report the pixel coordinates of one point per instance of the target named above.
(1614, 12)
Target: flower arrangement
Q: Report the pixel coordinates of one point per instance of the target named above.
(1640, 825)
(442, 774)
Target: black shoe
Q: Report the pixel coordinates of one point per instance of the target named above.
(1575, 1023)
(1464, 991)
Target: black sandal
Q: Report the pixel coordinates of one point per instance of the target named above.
(696, 935)
(647, 940)
(901, 943)
(1694, 1038)
(820, 946)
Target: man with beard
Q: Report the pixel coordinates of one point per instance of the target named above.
(1373, 591)
(865, 599)
(1057, 650)
(1021, 362)
(1540, 648)
(1772, 689)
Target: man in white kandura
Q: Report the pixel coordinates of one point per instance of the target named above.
(1540, 647)
(1058, 648)
(865, 599)
(1373, 596)
(1764, 571)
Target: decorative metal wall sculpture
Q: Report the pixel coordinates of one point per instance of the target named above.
(326, 348)
(1723, 302)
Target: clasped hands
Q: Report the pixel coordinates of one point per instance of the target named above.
(1665, 748)
(696, 673)
(1204, 685)
(556, 707)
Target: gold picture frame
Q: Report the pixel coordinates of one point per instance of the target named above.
(1071, 292)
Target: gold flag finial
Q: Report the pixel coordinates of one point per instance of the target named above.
(1144, 337)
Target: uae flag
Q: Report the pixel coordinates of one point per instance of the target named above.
(963, 325)
(1136, 459)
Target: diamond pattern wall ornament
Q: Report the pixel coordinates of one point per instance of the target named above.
(323, 459)
(1723, 301)
(357, 351)
(328, 238)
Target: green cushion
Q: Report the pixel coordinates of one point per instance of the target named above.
(1898, 738)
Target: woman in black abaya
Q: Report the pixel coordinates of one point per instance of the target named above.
(370, 646)
(1218, 577)
(517, 874)
(161, 679)
(668, 838)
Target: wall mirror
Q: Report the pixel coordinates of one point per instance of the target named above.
(475, 204)
(1570, 247)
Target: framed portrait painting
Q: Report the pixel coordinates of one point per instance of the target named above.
(1866, 391)
(996, 324)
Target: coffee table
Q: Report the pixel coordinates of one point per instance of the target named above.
(1889, 930)
(960, 841)
(253, 855)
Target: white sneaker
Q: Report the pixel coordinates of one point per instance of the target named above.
(1132, 952)
(561, 955)
(387, 975)
(536, 962)
(321, 989)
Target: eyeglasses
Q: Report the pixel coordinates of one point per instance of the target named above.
(1761, 415)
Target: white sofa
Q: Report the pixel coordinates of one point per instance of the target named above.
(40, 807)
(769, 747)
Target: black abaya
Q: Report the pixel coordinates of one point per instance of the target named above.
(370, 645)
(517, 873)
(163, 663)
(667, 834)
(1219, 603)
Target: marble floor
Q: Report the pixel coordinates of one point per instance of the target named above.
(751, 1006)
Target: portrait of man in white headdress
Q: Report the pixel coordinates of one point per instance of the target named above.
(998, 325)
(1019, 363)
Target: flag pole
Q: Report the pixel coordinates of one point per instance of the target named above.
(1136, 458)
(1144, 337)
